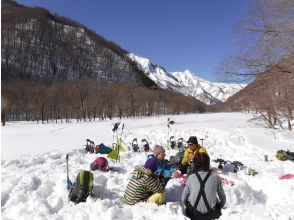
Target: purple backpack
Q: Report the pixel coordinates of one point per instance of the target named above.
(100, 163)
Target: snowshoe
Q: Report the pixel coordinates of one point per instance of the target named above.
(135, 146)
(172, 142)
(145, 144)
(180, 143)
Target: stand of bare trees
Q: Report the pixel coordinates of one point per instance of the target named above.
(85, 100)
(267, 56)
(39, 46)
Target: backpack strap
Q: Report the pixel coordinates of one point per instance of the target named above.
(80, 186)
(201, 191)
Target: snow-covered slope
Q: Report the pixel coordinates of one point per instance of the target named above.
(204, 90)
(33, 186)
(155, 72)
(187, 83)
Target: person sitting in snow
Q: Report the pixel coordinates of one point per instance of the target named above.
(193, 149)
(164, 170)
(145, 185)
(200, 193)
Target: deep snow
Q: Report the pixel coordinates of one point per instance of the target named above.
(33, 167)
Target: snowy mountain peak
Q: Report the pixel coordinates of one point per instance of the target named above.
(155, 72)
(187, 78)
(142, 62)
(187, 82)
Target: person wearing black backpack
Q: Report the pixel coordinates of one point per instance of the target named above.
(203, 195)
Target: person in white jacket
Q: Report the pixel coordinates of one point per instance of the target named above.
(203, 195)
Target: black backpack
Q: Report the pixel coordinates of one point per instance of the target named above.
(175, 161)
(285, 155)
(82, 187)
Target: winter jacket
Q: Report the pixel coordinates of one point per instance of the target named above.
(142, 185)
(213, 187)
(103, 149)
(163, 168)
(199, 149)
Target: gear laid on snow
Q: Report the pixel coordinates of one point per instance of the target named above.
(100, 163)
(287, 176)
(69, 183)
(180, 143)
(145, 144)
(228, 166)
(285, 155)
(82, 187)
(135, 145)
(90, 146)
(172, 141)
(251, 172)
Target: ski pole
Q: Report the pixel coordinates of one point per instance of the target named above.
(168, 133)
(117, 158)
(69, 183)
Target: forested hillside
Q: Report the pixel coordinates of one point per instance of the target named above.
(54, 68)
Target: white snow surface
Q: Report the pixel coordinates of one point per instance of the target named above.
(187, 83)
(33, 168)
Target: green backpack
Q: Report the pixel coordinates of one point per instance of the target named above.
(285, 155)
(82, 187)
(280, 155)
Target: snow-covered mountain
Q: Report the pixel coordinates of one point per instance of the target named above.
(187, 83)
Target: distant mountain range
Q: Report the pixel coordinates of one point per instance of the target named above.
(187, 83)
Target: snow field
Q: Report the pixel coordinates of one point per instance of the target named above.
(34, 185)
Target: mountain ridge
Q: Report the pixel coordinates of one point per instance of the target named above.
(187, 83)
(37, 45)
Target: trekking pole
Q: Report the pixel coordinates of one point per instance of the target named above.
(115, 127)
(122, 130)
(120, 140)
(167, 133)
(202, 142)
(69, 183)
(169, 122)
(116, 148)
(117, 157)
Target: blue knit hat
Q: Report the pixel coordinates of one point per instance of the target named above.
(151, 164)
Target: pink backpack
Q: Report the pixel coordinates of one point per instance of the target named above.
(100, 163)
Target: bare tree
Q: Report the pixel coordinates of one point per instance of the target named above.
(267, 38)
(267, 56)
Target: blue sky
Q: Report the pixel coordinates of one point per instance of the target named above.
(178, 35)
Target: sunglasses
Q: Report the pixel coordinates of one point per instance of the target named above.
(190, 144)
